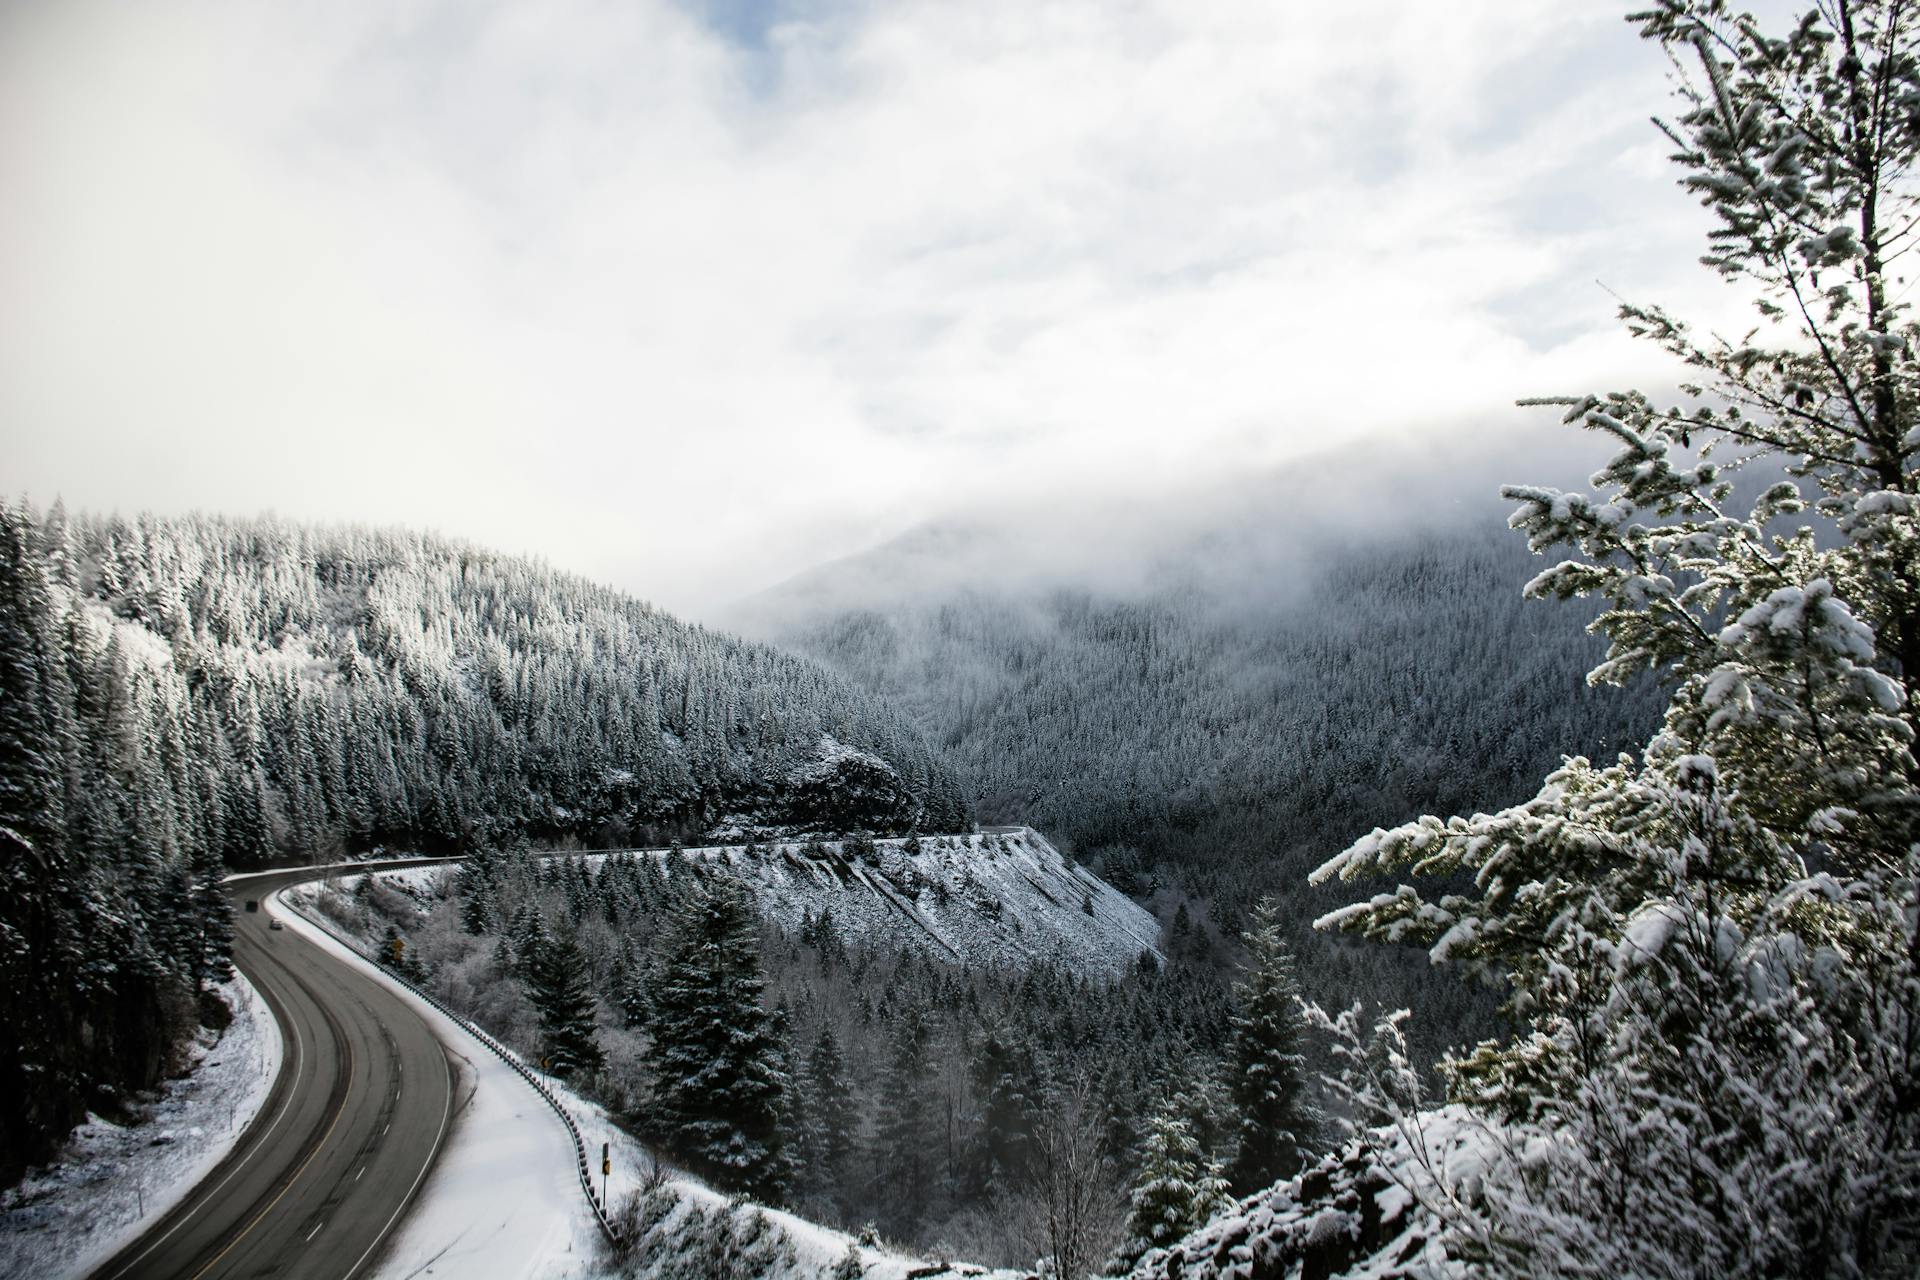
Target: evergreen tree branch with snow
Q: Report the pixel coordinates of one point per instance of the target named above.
(1711, 950)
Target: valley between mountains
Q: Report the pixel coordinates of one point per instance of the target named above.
(1166, 776)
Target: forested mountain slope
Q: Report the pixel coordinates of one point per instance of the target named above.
(384, 686)
(1249, 694)
(187, 694)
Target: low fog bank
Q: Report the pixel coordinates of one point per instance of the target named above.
(1246, 543)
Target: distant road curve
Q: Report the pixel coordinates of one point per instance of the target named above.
(346, 1138)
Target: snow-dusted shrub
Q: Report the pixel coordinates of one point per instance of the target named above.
(666, 1235)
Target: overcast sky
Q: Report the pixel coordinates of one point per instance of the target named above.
(690, 296)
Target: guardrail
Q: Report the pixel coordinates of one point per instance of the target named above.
(501, 1052)
(506, 1055)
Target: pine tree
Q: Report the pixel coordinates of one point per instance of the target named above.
(832, 1119)
(42, 912)
(1176, 1191)
(903, 1138)
(476, 886)
(557, 985)
(1004, 1076)
(525, 936)
(1275, 1124)
(716, 1062)
(214, 911)
(634, 994)
(1711, 948)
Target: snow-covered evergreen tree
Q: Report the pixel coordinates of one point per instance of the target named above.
(558, 988)
(1007, 1085)
(476, 888)
(113, 919)
(831, 1121)
(903, 1135)
(212, 911)
(1275, 1121)
(42, 946)
(1712, 948)
(1176, 1191)
(717, 1064)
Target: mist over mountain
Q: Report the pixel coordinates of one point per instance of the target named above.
(1206, 692)
(1250, 540)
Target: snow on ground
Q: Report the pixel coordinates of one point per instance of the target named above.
(987, 900)
(420, 881)
(816, 1248)
(337, 868)
(502, 1203)
(112, 1181)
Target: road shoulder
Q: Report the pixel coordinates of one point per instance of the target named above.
(502, 1201)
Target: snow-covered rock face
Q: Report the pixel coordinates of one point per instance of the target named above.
(1003, 899)
(845, 789)
(986, 900)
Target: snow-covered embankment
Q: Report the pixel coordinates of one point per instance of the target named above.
(113, 1181)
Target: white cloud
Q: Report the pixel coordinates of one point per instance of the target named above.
(594, 280)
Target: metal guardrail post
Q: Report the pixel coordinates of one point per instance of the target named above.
(500, 1051)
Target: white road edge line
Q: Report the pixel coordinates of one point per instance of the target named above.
(446, 1116)
(407, 1201)
(286, 1105)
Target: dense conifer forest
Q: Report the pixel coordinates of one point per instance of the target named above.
(1209, 737)
(1541, 902)
(184, 696)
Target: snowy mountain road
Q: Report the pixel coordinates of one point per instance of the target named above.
(346, 1138)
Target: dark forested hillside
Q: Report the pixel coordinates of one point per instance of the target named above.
(187, 695)
(1184, 732)
(1257, 696)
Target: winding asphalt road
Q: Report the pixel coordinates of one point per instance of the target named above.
(345, 1140)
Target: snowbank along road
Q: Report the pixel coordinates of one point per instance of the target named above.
(345, 1140)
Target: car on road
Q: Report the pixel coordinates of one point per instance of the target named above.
(275, 924)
